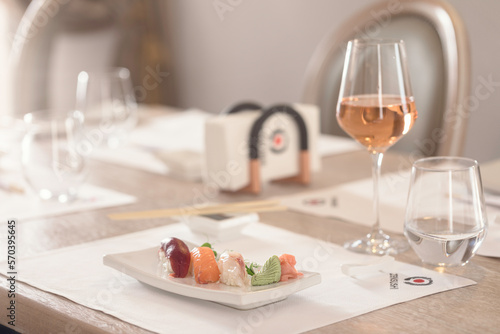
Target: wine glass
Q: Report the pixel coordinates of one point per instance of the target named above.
(376, 108)
(106, 105)
(445, 217)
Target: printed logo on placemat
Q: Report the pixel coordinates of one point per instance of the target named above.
(393, 281)
(314, 201)
(418, 280)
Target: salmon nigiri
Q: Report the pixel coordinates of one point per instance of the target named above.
(288, 270)
(205, 268)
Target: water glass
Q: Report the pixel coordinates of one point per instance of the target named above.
(106, 105)
(11, 133)
(445, 220)
(52, 164)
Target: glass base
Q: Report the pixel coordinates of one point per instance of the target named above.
(61, 197)
(378, 246)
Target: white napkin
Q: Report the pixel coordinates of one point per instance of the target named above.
(77, 273)
(332, 145)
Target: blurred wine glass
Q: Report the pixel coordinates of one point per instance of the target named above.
(52, 163)
(376, 107)
(106, 106)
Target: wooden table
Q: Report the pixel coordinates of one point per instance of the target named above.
(467, 310)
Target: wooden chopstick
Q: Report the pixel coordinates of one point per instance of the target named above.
(253, 206)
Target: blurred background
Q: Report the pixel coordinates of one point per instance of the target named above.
(210, 54)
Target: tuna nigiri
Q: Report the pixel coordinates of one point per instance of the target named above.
(174, 257)
(205, 269)
(288, 270)
(232, 269)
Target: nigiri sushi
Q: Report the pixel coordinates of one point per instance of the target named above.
(232, 269)
(174, 257)
(288, 270)
(205, 268)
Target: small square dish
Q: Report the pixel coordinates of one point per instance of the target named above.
(143, 266)
(221, 226)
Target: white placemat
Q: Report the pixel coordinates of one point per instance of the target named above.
(161, 133)
(23, 206)
(490, 172)
(491, 245)
(78, 274)
(352, 202)
(18, 201)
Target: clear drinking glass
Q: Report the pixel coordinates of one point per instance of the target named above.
(106, 104)
(376, 107)
(52, 164)
(445, 217)
(11, 133)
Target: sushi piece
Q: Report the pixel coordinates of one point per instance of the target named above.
(270, 273)
(232, 269)
(205, 268)
(288, 270)
(174, 257)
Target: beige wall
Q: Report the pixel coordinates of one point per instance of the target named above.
(228, 50)
(224, 51)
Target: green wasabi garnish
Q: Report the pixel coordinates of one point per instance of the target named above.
(207, 244)
(251, 268)
(270, 273)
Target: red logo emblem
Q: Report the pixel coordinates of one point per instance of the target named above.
(279, 141)
(314, 201)
(418, 280)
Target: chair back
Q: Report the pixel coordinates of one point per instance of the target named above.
(57, 39)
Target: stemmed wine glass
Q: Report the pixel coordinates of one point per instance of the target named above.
(376, 107)
(106, 106)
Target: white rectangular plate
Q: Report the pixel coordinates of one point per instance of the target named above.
(143, 266)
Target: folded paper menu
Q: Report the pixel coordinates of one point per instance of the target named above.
(338, 296)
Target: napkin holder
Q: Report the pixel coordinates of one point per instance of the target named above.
(249, 145)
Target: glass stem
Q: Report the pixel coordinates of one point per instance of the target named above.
(376, 232)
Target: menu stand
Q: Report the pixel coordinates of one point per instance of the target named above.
(304, 174)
